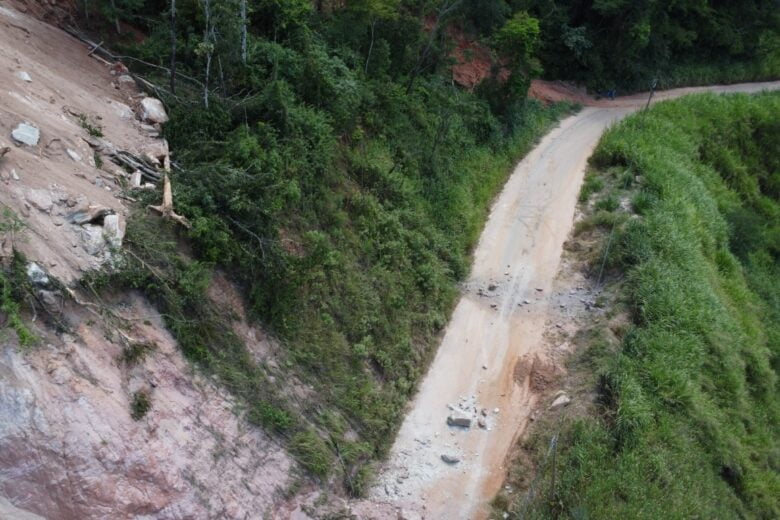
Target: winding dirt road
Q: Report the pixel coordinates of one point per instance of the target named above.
(500, 318)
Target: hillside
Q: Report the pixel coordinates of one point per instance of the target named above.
(256, 255)
(678, 410)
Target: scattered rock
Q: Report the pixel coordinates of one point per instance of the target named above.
(561, 401)
(92, 239)
(36, 274)
(459, 420)
(26, 134)
(539, 289)
(90, 214)
(482, 423)
(40, 200)
(526, 302)
(450, 459)
(135, 179)
(152, 111)
(14, 175)
(113, 231)
(24, 76)
(492, 287)
(73, 155)
(49, 299)
(4, 150)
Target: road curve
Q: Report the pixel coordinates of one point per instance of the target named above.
(515, 262)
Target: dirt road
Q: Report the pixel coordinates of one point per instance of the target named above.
(499, 319)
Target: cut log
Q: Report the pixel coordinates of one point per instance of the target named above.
(166, 208)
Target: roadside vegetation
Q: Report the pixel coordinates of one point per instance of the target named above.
(685, 420)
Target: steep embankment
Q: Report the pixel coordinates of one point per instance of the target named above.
(100, 414)
(676, 411)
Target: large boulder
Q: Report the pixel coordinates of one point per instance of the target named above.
(151, 110)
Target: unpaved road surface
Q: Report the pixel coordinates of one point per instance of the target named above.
(499, 319)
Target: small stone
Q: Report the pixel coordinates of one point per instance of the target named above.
(484, 367)
(459, 420)
(26, 134)
(37, 275)
(561, 401)
(73, 155)
(492, 287)
(482, 424)
(40, 200)
(450, 459)
(24, 76)
(152, 111)
(484, 412)
(526, 302)
(14, 175)
(495, 410)
(539, 289)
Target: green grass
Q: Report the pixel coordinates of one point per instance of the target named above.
(686, 423)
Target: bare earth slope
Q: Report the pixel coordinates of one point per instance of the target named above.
(69, 448)
(480, 370)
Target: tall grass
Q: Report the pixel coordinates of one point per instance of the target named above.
(686, 423)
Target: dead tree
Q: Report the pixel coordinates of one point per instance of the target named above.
(173, 46)
(166, 208)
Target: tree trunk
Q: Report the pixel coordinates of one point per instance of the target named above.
(243, 32)
(173, 46)
(371, 46)
(116, 17)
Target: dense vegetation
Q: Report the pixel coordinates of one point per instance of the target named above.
(626, 44)
(686, 423)
(341, 179)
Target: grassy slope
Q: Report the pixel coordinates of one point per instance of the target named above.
(687, 419)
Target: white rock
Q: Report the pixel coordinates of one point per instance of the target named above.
(36, 274)
(14, 175)
(92, 239)
(153, 111)
(560, 402)
(135, 179)
(113, 231)
(24, 76)
(73, 155)
(26, 134)
(40, 200)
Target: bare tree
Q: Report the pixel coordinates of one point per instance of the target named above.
(243, 32)
(206, 47)
(173, 46)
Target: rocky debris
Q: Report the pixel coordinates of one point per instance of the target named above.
(24, 76)
(4, 150)
(51, 300)
(92, 239)
(151, 110)
(560, 401)
(450, 459)
(135, 179)
(113, 231)
(73, 155)
(36, 274)
(459, 420)
(492, 287)
(26, 134)
(126, 80)
(482, 423)
(40, 200)
(90, 214)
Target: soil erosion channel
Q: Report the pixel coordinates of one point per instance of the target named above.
(500, 318)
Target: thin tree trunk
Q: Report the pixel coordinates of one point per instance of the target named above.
(116, 17)
(371, 46)
(206, 83)
(173, 46)
(243, 32)
(444, 10)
